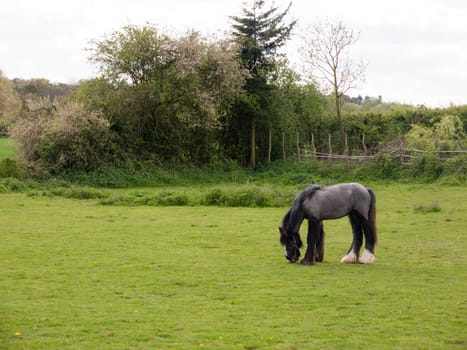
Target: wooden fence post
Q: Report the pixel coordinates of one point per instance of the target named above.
(346, 149)
(329, 149)
(346, 145)
(365, 150)
(313, 147)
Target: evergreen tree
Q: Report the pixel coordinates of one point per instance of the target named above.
(260, 32)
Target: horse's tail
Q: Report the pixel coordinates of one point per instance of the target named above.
(372, 217)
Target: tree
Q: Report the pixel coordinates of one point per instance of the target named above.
(299, 110)
(169, 92)
(325, 51)
(260, 32)
(449, 132)
(60, 137)
(10, 104)
(41, 88)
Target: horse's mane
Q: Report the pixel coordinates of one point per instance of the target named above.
(307, 193)
(291, 217)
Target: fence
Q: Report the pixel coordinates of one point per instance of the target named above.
(405, 155)
(396, 150)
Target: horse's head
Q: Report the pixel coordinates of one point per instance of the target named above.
(292, 243)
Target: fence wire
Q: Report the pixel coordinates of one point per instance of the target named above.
(404, 154)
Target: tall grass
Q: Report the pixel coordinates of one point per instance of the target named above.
(227, 195)
(277, 173)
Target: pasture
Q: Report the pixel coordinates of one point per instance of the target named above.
(79, 275)
(7, 148)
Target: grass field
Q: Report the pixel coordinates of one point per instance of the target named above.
(7, 149)
(79, 275)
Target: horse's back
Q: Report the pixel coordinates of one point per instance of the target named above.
(335, 201)
(361, 198)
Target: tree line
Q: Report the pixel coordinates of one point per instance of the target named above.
(191, 99)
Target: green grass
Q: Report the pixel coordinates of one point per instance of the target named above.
(7, 148)
(79, 275)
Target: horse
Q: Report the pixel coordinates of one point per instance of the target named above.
(317, 203)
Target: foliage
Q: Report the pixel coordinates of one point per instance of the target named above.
(386, 167)
(420, 137)
(276, 175)
(449, 133)
(162, 95)
(456, 168)
(228, 184)
(325, 52)
(228, 196)
(10, 104)
(57, 138)
(421, 128)
(249, 196)
(445, 135)
(9, 168)
(70, 192)
(162, 100)
(425, 167)
(244, 195)
(260, 32)
(34, 89)
(124, 175)
(7, 148)
(11, 184)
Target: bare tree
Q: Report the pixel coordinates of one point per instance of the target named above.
(324, 50)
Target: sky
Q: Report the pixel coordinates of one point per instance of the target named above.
(415, 50)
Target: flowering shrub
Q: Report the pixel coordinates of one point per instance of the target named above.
(59, 138)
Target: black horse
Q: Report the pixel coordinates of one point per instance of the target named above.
(317, 203)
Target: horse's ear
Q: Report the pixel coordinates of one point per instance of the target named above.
(280, 230)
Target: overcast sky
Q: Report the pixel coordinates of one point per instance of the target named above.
(416, 50)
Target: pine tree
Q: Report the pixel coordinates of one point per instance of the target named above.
(260, 32)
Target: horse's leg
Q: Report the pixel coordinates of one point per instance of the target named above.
(320, 245)
(368, 255)
(357, 241)
(312, 238)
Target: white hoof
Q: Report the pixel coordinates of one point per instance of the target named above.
(350, 258)
(367, 257)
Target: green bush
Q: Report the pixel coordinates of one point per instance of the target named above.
(227, 196)
(456, 166)
(214, 197)
(455, 170)
(249, 196)
(167, 198)
(426, 167)
(386, 167)
(63, 137)
(79, 193)
(10, 184)
(128, 174)
(9, 168)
